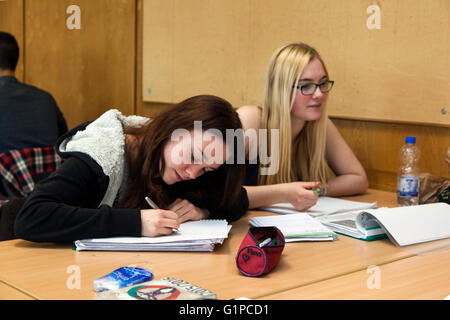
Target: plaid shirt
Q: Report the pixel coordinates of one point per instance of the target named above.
(17, 167)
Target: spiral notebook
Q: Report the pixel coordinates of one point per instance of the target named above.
(200, 235)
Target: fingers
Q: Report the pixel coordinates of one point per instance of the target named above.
(310, 184)
(173, 204)
(180, 205)
(303, 197)
(186, 211)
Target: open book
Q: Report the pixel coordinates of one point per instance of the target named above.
(324, 206)
(352, 224)
(200, 235)
(296, 227)
(403, 225)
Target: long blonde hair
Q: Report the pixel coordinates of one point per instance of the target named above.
(306, 158)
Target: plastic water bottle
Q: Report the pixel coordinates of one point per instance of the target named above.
(408, 174)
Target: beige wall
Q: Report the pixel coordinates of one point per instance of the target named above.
(377, 145)
(398, 72)
(87, 70)
(100, 66)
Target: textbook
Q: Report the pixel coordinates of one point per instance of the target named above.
(352, 224)
(324, 206)
(402, 225)
(162, 289)
(200, 235)
(296, 227)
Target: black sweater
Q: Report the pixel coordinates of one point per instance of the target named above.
(65, 206)
(29, 117)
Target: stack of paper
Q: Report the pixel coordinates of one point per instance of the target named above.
(324, 206)
(296, 227)
(200, 235)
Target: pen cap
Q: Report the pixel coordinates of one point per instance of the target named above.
(253, 260)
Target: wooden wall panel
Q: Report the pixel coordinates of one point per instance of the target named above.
(11, 21)
(143, 108)
(396, 73)
(89, 70)
(377, 145)
(194, 47)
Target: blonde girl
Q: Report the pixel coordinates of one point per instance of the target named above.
(296, 87)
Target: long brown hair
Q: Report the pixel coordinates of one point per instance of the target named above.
(219, 188)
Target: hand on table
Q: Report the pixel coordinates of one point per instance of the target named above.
(186, 211)
(301, 195)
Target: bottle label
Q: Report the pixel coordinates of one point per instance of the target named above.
(408, 186)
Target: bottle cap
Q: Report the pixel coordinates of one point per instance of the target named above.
(410, 140)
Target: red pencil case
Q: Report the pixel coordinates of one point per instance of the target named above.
(253, 260)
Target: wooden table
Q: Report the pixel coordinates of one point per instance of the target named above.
(9, 292)
(423, 277)
(48, 270)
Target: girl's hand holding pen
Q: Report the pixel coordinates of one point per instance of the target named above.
(156, 222)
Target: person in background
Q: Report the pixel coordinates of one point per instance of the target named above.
(296, 88)
(111, 164)
(30, 124)
(30, 117)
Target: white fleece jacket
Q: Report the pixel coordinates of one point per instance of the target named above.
(104, 141)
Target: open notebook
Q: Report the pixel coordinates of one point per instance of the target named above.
(403, 225)
(324, 206)
(200, 235)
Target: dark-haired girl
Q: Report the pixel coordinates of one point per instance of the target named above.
(111, 165)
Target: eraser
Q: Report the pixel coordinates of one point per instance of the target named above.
(122, 277)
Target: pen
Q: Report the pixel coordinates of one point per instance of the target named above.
(265, 242)
(151, 203)
(154, 206)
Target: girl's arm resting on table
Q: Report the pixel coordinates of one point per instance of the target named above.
(64, 207)
(350, 177)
